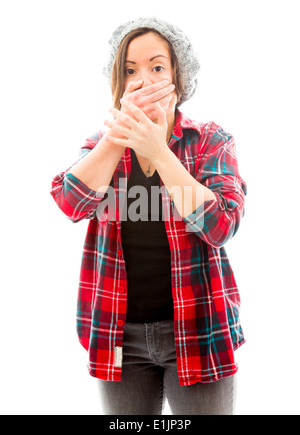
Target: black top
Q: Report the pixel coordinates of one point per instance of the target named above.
(146, 250)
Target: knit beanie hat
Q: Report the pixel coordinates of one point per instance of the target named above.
(188, 63)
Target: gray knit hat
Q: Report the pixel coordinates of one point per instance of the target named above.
(188, 63)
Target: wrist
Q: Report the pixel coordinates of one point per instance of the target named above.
(162, 157)
(109, 146)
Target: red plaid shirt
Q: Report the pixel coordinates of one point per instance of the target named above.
(206, 298)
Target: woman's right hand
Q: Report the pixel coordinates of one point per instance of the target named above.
(145, 98)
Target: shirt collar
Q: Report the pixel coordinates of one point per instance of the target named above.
(183, 122)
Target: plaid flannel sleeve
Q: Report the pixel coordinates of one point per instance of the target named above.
(217, 221)
(76, 200)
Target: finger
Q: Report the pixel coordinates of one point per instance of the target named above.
(152, 115)
(120, 129)
(165, 102)
(124, 118)
(156, 96)
(118, 141)
(124, 110)
(112, 111)
(150, 89)
(161, 114)
(136, 111)
(132, 86)
(172, 102)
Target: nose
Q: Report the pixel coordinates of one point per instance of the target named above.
(147, 80)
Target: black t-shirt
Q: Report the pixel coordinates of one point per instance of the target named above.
(146, 250)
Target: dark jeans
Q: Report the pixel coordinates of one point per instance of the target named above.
(149, 376)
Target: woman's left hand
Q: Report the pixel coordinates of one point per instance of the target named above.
(143, 136)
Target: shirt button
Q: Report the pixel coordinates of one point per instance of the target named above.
(121, 289)
(119, 253)
(120, 323)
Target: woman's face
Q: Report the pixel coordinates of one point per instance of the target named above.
(148, 58)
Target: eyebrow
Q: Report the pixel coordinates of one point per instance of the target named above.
(159, 55)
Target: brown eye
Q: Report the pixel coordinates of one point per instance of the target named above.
(157, 67)
(129, 71)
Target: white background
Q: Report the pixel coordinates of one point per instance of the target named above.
(53, 96)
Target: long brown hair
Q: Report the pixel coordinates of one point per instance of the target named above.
(118, 70)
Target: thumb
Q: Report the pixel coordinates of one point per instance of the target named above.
(161, 115)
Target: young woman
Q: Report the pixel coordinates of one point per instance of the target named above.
(158, 305)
